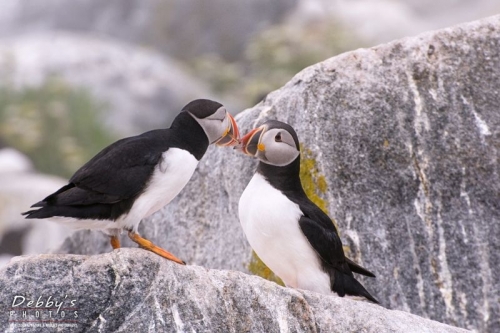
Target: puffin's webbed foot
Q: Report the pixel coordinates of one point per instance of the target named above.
(148, 245)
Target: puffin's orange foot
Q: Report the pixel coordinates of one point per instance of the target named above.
(148, 245)
(115, 242)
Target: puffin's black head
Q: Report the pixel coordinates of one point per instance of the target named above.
(274, 143)
(219, 126)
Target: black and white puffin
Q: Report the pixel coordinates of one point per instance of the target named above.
(136, 176)
(292, 235)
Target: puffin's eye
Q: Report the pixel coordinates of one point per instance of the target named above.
(277, 138)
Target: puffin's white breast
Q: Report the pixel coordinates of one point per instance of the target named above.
(270, 222)
(169, 178)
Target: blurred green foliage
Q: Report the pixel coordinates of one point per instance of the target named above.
(59, 127)
(273, 57)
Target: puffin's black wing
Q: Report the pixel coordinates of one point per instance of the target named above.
(319, 217)
(105, 186)
(329, 247)
(323, 237)
(325, 242)
(122, 169)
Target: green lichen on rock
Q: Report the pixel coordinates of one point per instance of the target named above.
(257, 267)
(315, 185)
(313, 182)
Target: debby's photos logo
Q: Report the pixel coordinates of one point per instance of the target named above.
(43, 311)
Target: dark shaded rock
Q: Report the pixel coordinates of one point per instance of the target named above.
(407, 138)
(136, 291)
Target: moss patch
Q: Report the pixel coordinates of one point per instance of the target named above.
(257, 267)
(315, 186)
(313, 182)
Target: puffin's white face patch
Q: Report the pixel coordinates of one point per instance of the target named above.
(215, 125)
(270, 222)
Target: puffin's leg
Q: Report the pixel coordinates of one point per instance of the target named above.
(148, 245)
(115, 241)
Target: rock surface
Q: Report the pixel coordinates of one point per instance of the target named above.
(407, 138)
(131, 290)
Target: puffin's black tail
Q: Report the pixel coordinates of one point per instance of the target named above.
(45, 209)
(95, 211)
(346, 284)
(71, 201)
(41, 213)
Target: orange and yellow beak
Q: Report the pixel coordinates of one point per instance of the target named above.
(232, 135)
(250, 144)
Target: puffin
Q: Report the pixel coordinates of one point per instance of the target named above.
(289, 233)
(136, 176)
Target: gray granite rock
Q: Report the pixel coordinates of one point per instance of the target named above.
(406, 136)
(131, 290)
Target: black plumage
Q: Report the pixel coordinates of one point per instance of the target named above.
(107, 185)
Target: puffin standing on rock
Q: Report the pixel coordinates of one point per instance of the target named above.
(136, 176)
(292, 235)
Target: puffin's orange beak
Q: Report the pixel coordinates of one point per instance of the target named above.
(250, 144)
(232, 135)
